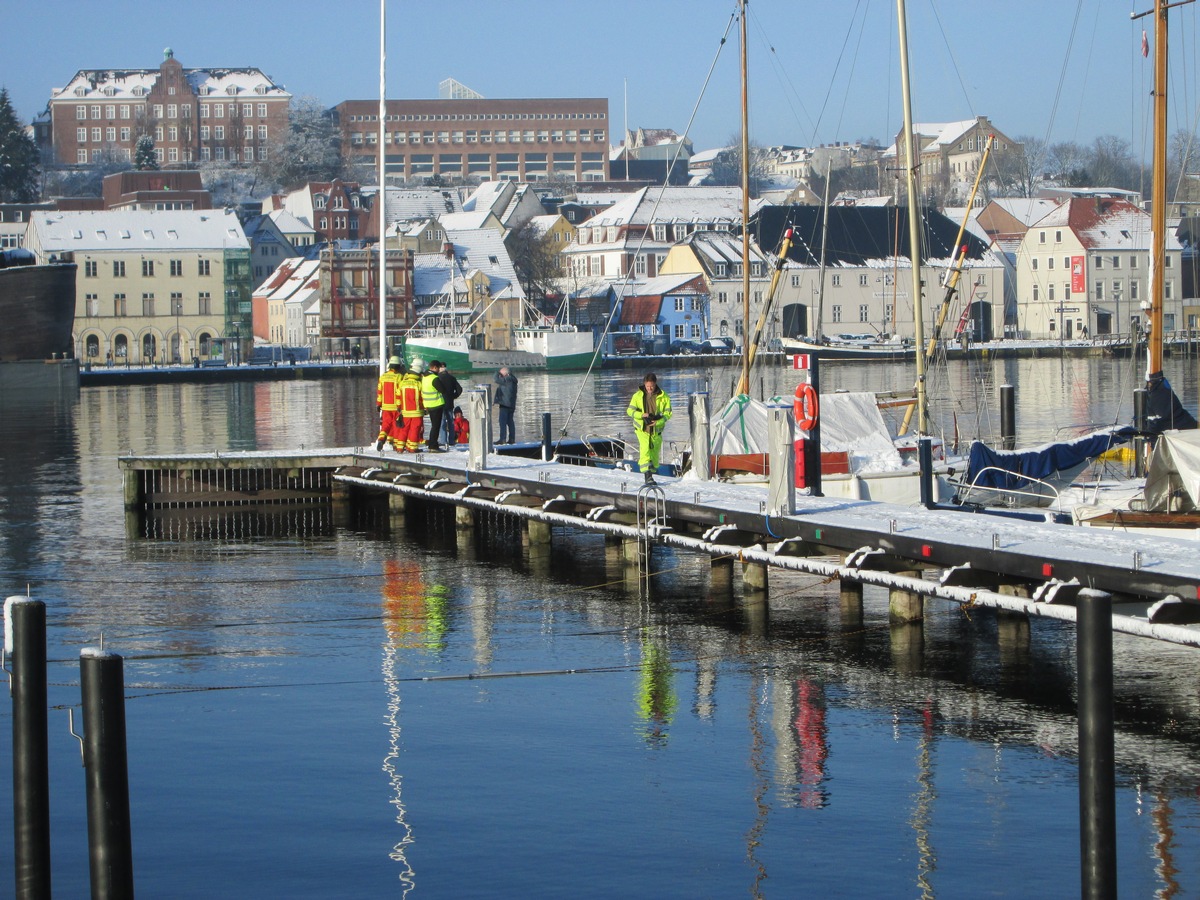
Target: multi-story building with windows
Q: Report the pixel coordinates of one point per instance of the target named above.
(515, 140)
(152, 286)
(193, 115)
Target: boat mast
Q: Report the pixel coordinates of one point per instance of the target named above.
(914, 219)
(1158, 195)
(824, 244)
(745, 380)
(383, 348)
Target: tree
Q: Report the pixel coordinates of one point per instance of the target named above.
(144, 158)
(18, 157)
(311, 149)
(536, 261)
(727, 167)
(1016, 173)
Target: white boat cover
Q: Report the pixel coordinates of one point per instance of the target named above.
(850, 422)
(1173, 478)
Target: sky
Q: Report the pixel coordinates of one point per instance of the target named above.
(820, 70)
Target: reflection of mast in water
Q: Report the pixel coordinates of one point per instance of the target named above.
(413, 618)
(1165, 869)
(925, 797)
(758, 767)
(400, 850)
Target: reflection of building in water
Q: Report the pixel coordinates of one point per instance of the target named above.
(801, 741)
(399, 851)
(656, 700)
(415, 616)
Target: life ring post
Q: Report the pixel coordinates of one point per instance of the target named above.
(807, 408)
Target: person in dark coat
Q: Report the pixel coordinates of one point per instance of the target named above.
(451, 391)
(506, 400)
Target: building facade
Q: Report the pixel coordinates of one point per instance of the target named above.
(514, 140)
(193, 115)
(153, 287)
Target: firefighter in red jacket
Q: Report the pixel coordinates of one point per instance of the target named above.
(387, 399)
(412, 409)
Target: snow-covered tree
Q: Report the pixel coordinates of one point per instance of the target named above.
(143, 155)
(18, 157)
(311, 149)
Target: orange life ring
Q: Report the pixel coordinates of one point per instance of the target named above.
(806, 407)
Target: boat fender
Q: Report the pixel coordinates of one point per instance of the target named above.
(806, 407)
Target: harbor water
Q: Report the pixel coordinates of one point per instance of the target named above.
(384, 707)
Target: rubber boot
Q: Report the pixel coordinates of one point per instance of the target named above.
(379, 445)
(649, 477)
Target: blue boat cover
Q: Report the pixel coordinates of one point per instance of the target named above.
(1006, 467)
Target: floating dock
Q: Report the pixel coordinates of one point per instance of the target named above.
(916, 554)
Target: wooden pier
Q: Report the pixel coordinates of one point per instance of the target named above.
(916, 554)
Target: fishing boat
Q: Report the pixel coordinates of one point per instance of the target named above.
(853, 347)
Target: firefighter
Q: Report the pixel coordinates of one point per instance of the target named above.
(387, 400)
(412, 409)
(650, 408)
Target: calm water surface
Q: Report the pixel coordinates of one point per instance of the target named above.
(375, 708)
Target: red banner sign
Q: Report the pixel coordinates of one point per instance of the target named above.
(1078, 282)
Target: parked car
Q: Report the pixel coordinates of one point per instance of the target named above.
(718, 345)
(685, 347)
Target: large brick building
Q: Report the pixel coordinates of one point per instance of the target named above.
(193, 115)
(517, 140)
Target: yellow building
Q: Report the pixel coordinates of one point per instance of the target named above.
(154, 287)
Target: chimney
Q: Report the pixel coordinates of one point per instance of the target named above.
(448, 250)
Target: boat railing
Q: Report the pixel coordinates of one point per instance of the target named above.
(1010, 496)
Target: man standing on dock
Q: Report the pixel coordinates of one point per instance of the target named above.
(387, 400)
(451, 391)
(435, 403)
(650, 409)
(506, 399)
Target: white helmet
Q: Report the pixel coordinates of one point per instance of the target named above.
(417, 365)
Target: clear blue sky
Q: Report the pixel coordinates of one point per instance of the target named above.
(821, 70)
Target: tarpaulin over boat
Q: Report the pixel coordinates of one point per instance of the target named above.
(1163, 407)
(1058, 461)
(850, 422)
(1173, 479)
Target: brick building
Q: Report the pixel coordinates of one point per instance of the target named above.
(193, 115)
(516, 140)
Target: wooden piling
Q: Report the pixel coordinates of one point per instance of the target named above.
(905, 606)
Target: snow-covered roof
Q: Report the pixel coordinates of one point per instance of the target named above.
(482, 249)
(138, 229)
(488, 195)
(289, 224)
(408, 205)
(1103, 223)
(674, 204)
(539, 225)
(661, 286)
(599, 200)
(135, 84)
(1026, 209)
(465, 221)
(713, 247)
(291, 277)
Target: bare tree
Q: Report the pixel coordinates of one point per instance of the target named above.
(727, 167)
(311, 149)
(536, 261)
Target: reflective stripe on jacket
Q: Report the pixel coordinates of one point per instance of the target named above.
(409, 400)
(662, 409)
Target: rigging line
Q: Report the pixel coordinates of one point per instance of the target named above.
(1086, 69)
(1063, 72)
(624, 282)
(950, 50)
(781, 73)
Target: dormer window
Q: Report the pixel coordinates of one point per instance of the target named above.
(260, 89)
(319, 201)
(354, 201)
(140, 91)
(231, 90)
(110, 91)
(720, 270)
(81, 91)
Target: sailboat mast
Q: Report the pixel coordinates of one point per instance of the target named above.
(383, 348)
(1158, 194)
(745, 380)
(914, 219)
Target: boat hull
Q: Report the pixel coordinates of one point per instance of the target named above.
(37, 306)
(834, 352)
(564, 351)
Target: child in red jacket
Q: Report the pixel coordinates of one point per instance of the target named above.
(462, 428)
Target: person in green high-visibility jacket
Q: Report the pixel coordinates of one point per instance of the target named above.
(434, 399)
(650, 409)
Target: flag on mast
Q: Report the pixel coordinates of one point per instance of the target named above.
(1145, 44)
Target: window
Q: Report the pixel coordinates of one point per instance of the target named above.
(124, 110)
(1050, 292)
(110, 134)
(81, 135)
(1058, 237)
(262, 132)
(1035, 293)
(147, 304)
(80, 156)
(110, 112)
(118, 268)
(1099, 290)
(863, 282)
(95, 135)
(89, 268)
(95, 112)
(1033, 263)
(262, 110)
(1050, 263)
(1133, 291)
(836, 313)
(119, 305)
(147, 268)
(219, 132)
(1041, 237)
(1116, 261)
(205, 303)
(91, 304)
(639, 264)
(172, 111)
(864, 312)
(680, 304)
(125, 135)
(795, 281)
(173, 133)
(836, 281)
(204, 132)
(158, 111)
(81, 112)
(247, 109)
(660, 232)
(177, 267)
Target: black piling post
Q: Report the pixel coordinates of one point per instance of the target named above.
(110, 848)
(545, 437)
(1097, 766)
(925, 460)
(1008, 416)
(31, 768)
(812, 443)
